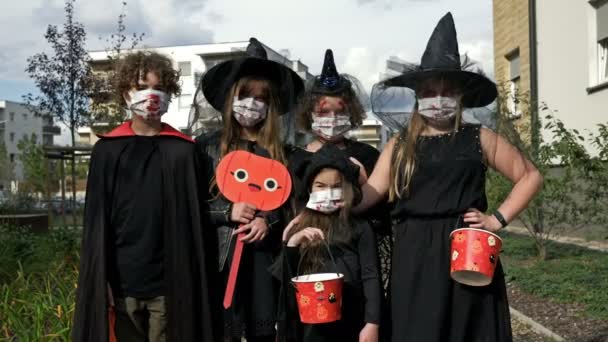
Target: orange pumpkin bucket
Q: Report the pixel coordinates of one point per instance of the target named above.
(474, 255)
(319, 295)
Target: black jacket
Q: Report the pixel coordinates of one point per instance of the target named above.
(208, 151)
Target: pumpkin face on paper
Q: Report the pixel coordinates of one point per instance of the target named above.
(246, 177)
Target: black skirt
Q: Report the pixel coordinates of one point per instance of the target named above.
(427, 305)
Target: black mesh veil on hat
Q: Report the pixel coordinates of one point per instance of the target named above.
(216, 83)
(331, 82)
(393, 99)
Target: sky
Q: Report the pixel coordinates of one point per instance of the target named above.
(362, 33)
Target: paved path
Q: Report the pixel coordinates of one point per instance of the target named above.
(595, 245)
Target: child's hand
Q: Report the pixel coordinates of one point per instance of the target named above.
(307, 234)
(369, 333)
(477, 219)
(258, 229)
(242, 212)
(290, 226)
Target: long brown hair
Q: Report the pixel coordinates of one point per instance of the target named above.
(403, 163)
(337, 228)
(269, 133)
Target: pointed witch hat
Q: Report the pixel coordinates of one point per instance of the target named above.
(330, 82)
(217, 81)
(441, 59)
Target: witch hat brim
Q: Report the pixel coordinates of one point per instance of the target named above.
(441, 59)
(478, 90)
(218, 81)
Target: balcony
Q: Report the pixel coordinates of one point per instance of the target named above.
(52, 130)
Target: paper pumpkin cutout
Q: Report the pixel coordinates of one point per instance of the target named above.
(245, 177)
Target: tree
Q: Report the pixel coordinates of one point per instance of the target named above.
(6, 167)
(32, 160)
(574, 190)
(104, 109)
(65, 79)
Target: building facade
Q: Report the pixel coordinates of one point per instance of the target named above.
(192, 61)
(372, 132)
(18, 122)
(565, 70)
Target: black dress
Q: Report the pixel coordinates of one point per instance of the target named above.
(362, 293)
(426, 304)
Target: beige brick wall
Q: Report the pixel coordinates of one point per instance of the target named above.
(511, 32)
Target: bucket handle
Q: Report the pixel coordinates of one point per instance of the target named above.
(331, 257)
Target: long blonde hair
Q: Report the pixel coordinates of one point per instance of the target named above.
(403, 163)
(269, 134)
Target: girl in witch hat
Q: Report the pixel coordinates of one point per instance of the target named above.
(434, 171)
(251, 92)
(332, 188)
(332, 105)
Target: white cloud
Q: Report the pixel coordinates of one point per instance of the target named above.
(362, 33)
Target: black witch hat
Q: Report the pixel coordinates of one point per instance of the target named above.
(442, 59)
(217, 81)
(330, 82)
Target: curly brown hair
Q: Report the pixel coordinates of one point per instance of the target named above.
(310, 100)
(133, 67)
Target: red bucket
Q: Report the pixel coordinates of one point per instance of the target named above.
(474, 256)
(319, 297)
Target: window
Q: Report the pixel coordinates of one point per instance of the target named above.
(211, 61)
(185, 101)
(24, 116)
(602, 61)
(185, 68)
(12, 156)
(601, 11)
(12, 116)
(514, 84)
(12, 137)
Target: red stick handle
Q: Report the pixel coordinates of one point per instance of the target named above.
(234, 270)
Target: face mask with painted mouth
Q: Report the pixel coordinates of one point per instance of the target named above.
(149, 104)
(440, 110)
(330, 128)
(248, 112)
(326, 201)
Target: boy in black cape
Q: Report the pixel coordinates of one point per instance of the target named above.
(144, 247)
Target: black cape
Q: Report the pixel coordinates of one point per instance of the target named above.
(189, 266)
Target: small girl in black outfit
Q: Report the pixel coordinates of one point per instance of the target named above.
(332, 183)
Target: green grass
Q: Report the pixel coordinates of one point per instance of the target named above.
(38, 275)
(570, 275)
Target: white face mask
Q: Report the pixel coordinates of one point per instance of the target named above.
(326, 201)
(438, 109)
(149, 104)
(249, 111)
(331, 127)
